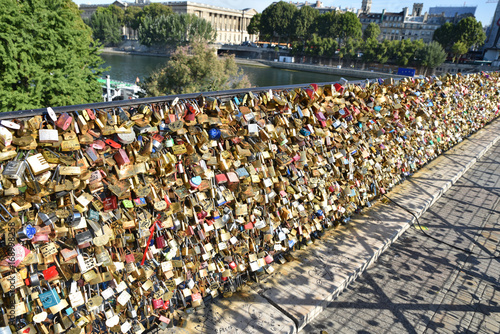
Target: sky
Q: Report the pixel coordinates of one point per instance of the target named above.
(484, 10)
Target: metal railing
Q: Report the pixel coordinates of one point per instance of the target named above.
(221, 94)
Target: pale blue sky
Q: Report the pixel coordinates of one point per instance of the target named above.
(484, 11)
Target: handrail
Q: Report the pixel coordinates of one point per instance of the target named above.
(148, 100)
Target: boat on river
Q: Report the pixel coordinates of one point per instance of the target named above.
(120, 90)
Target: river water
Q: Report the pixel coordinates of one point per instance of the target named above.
(129, 67)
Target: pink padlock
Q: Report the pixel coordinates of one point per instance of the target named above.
(40, 238)
(158, 303)
(269, 259)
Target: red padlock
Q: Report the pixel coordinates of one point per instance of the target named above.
(232, 265)
(160, 242)
(121, 158)
(50, 273)
(110, 203)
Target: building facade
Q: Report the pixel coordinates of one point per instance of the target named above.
(410, 25)
(230, 24)
(321, 8)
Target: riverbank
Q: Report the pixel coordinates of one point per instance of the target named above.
(135, 53)
(331, 70)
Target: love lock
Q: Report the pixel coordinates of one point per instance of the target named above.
(74, 219)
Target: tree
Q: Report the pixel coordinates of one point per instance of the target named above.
(431, 55)
(370, 50)
(155, 10)
(350, 27)
(305, 20)
(277, 20)
(458, 49)
(195, 69)
(470, 32)
(349, 50)
(254, 25)
(445, 35)
(175, 30)
(47, 55)
(372, 31)
(328, 24)
(132, 17)
(118, 12)
(105, 27)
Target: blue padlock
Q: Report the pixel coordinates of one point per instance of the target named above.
(214, 134)
(49, 298)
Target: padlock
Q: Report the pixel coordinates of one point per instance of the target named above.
(49, 298)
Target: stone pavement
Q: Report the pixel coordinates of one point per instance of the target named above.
(420, 285)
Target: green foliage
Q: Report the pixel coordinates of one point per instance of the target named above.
(278, 20)
(47, 55)
(177, 29)
(468, 31)
(350, 48)
(254, 25)
(156, 10)
(350, 26)
(372, 31)
(315, 46)
(305, 21)
(105, 26)
(445, 35)
(327, 24)
(403, 52)
(195, 69)
(132, 17)
(431, 55)
(458, 49)
(370, 49)
(118, 12)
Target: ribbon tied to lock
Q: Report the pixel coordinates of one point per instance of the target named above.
(151, 231)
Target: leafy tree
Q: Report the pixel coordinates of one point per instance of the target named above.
(305, 20)
(431, 55)
(278, 20)
(349, 50)
(372, 31)
(156, 9)
(350, 27)
(118, 12)
(316, 46)
(370, 50)
(470, 32)
(458, 49)
(132, 17)
(105, 27)
(328, 24)
(195, 69)
(175, 30)
(445, 35)
(254, 25)
(47, 55)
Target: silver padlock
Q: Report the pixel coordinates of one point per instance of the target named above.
(14, 169)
